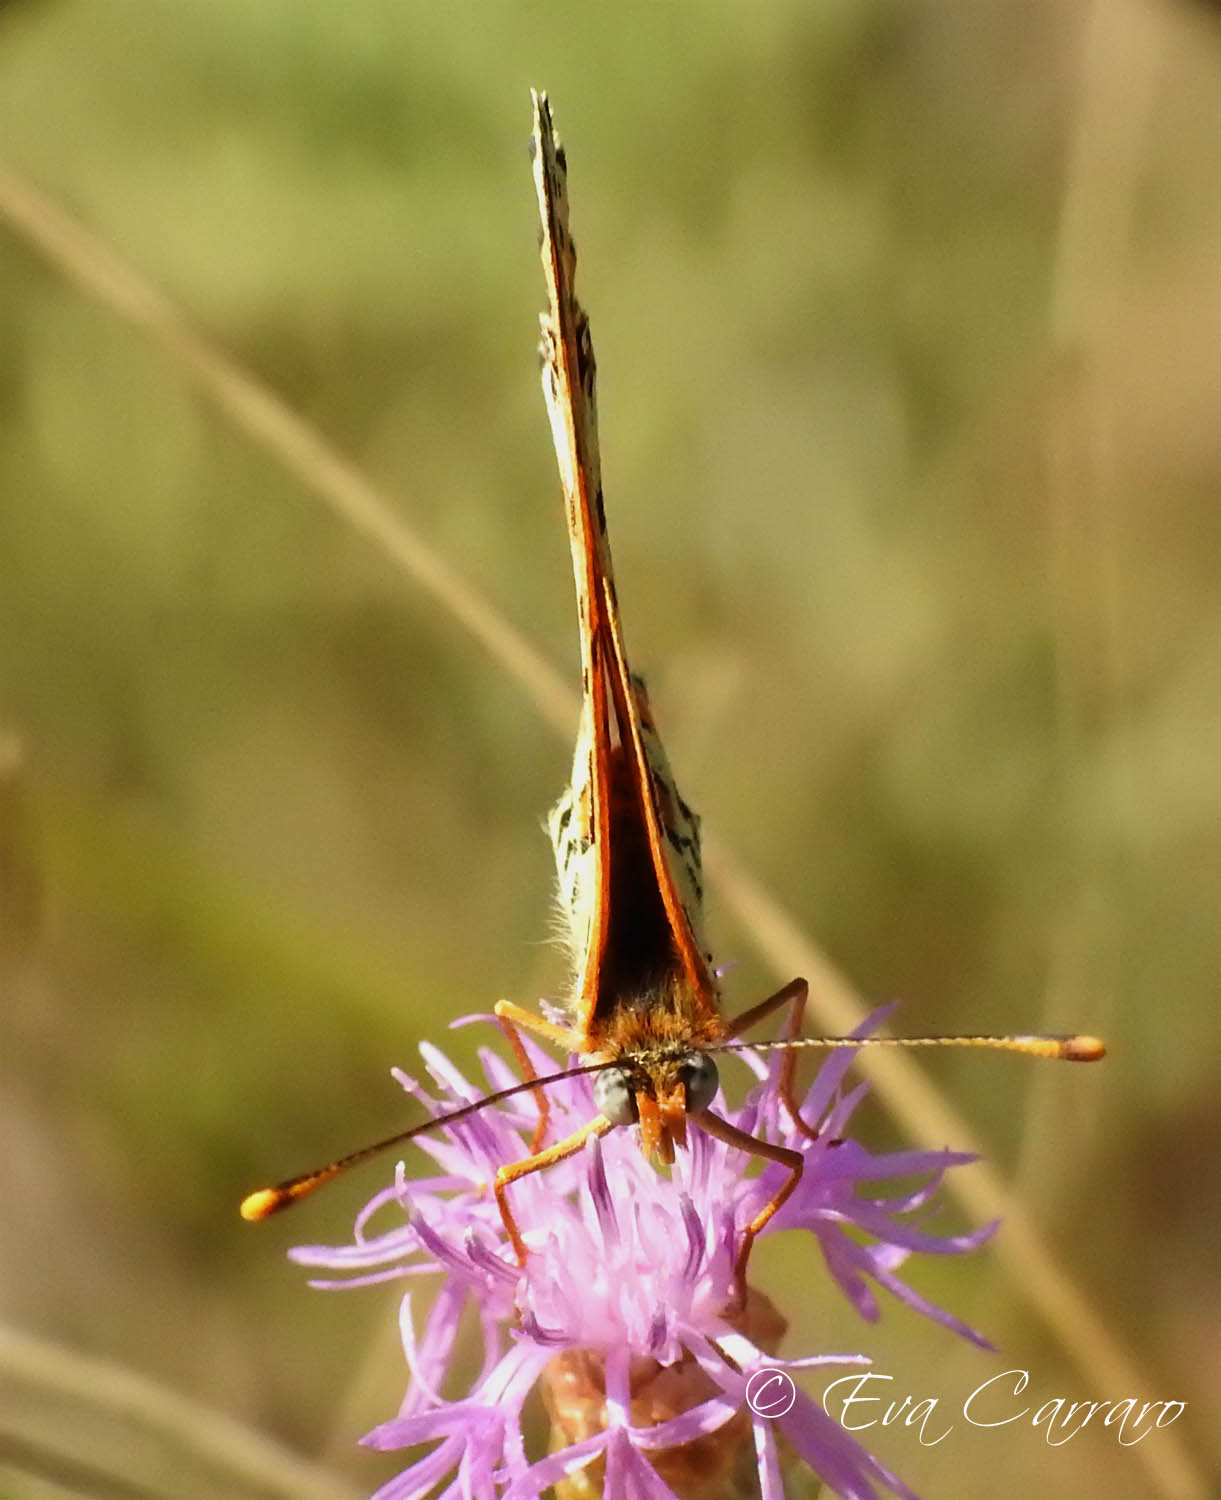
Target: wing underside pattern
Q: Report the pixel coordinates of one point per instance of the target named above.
(627, 846)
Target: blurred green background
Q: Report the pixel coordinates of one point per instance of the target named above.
(908, 319)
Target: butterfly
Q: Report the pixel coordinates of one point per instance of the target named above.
(646, 1001)
(645, 1018)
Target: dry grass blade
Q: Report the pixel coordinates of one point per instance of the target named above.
(148, 1418)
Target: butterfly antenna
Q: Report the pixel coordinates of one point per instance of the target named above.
(1078, 1047)
(264, 1202)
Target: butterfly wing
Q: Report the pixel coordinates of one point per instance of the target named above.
(627, 845)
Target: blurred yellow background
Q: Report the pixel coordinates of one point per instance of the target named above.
(908, 321)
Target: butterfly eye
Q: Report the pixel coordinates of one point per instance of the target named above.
(614, 1096)
(700, 1077)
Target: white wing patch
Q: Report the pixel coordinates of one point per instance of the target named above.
(570, 824)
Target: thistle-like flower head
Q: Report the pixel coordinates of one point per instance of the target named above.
(622, 1314)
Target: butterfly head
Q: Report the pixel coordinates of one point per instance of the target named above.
(657, 1091)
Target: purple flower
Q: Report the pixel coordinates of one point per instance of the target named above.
(620, 1314)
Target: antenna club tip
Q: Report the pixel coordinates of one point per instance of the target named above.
(261, 1205)
(1083, 1049)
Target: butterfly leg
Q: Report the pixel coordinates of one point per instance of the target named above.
(723, 1131)
(512, 1016)
(794, 995)
(561, 1151)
